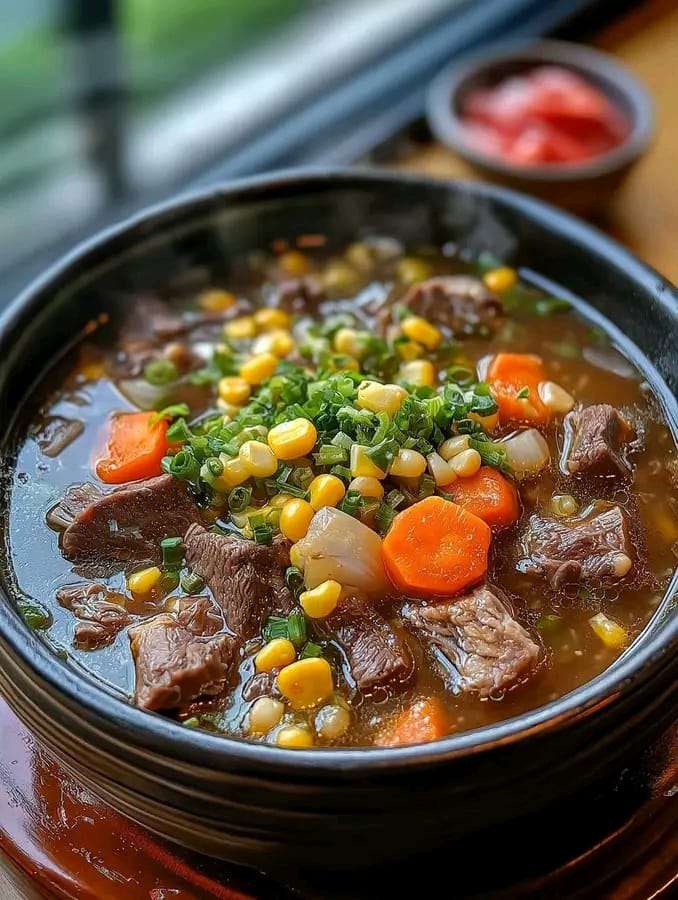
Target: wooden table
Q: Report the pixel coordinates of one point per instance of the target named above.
(644, 214)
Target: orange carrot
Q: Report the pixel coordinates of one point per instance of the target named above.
(436, 547)
(509, 375)
(135, 445)
(426, 720)
(488, 495)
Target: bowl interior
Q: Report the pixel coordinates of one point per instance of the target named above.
(201, 237)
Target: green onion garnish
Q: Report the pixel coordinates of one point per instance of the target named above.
(160, 372)
(329, 455)
(239, 498)
(192, 583)
(294, 578)
(172, 552)
(275, 627)
(310, 649)
(33, 615)
(263, 534)
(296, 627)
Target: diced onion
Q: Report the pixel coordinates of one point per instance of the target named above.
(340, 548)
(526, 452)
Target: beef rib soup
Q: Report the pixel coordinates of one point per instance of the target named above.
(364, 496)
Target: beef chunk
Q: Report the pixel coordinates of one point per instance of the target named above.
(127, 524)
(459, 302)
(77, 498)
(102, 613)
(177, 661)
(300, 296)
(586, 549)
(149, 322)
(247, 579)
(595, 441)
(480, 644)
(377, 655)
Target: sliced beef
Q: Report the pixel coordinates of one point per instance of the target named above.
(102, 613)
(299, 296)
(247, 579)
(377, 655)
(587, 549)
(459, 302)
(179, 658)
(481, 646)
(127, 524)
(596, 439)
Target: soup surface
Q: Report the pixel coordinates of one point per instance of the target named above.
(368, 497)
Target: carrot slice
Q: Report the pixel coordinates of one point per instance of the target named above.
(436, 547)
(509, 375)
(488, 495)
(135, 446)
(426, 720)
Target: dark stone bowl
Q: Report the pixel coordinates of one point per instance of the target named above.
(332, 808)
(584, 187)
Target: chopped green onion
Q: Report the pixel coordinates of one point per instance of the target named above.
(394, 499)
(549, 623)
(384, 517)
(549, 305)
(172, 552)
(160, 372)
(427, 487)
(294, 578)
(239, 498)
(329, 455)
(310, 649)
(192, 583)
(351, 503)
(275, 627)
(171, 412)
(296, 627)
(523, 393)
(342, 472)
(192, 722)
(262, 534)
(342, 440)
(178, 432)
(33, 615)
(182, 465)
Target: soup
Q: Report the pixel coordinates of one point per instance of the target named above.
(367, 497)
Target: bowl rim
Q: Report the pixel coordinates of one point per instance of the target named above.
(447, 126)
(167, 737)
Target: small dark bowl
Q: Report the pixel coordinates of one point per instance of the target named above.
(282, 810)
(583, 187)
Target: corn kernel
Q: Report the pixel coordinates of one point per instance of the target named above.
(410, 270)
(418, 329)
(347, 340)
(332, 722)
(229, 410)
(501, 279)
(279, 501)
(279, 342)
(322, 600)
(487, 423)
(235, 473)
(269, 319)
(294, 737)
(294, 264)
(265, 714)
(409, 350)
(326, 490)
(378, 398)
(555, 397)
(258, 459)
(259, 368)
(367, 486)
(234, 391)
(419, 372)
(306, 683)
(466, 463)
(290, 440)
(240, 329)
(216, 301)
(453, 446)
(275, 655)
(296, 557)
(295, 519)
(564, 505)
(92, 371)
(408, 464)
(442, 471)
(361, 464)
(340, 278)
(144, 581)
(610, 632)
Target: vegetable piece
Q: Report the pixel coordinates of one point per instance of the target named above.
(488, 495)
(172, 552)
(277, 653)
(258, 459)
(134, 450)
(501, 279)
(426, 720)
(419, 372)
(381, 398)
(466, 464)
(332, 722)
(295, 519)
(259, 368)
(144, 581)
(234, 389)
(269, 319)
(508, 375)
(306, 683)
(555, 397)
(265, 713)
(321, 601)
(610, 632)
(436, 547)
(326, 490)
(362, 465)
(291, 440)
(294, 737)
(340, 548)
(421, 331)
(526, 453)
(408, 464)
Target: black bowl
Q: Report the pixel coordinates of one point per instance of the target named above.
(333, 808)
(583, 187)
